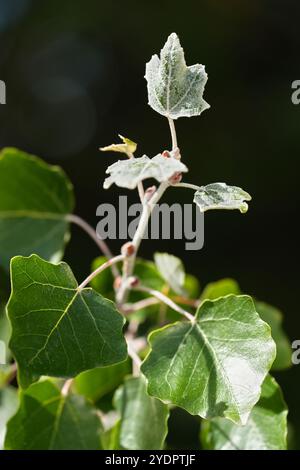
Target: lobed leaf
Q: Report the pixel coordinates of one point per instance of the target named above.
(175, 90)
(57, 330)
(47, 420)
(221, 196)
(128, 173)
(34, 200)
(266, 428)
(214, 366)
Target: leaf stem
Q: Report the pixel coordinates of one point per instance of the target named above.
(75, 219)
(173, 133)
(187, 185)
(141, 191)
(139, 305)
(66, 387)
(101, 268)
(166, 300)
(135, 358)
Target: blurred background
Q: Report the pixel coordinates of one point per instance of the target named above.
(74, 76)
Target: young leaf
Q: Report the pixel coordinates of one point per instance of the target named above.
(266, 428)
(215, 365)
(47, 420)
(221, 196)
(34, 200)
(128, 173)
(143, 418)
(8, 407)
(172, 270)
(95, 383)
(273, 317)
(57, 330)
(128, 147)
(175, 90)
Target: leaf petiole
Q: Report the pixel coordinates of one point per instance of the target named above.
(101, 268)
(166, 300)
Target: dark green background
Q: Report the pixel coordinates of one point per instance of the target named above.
(74, 75)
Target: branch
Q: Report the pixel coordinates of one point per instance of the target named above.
(166, 300)
(101, 268)
(75, 219)
(129, 261)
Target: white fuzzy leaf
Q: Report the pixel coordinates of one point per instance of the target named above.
(128, 173)
(221, 196)
(175, 90)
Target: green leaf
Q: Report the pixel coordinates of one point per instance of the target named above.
(96, 383)
(128, 173)
(172, 270)
(220, 288)
(8, 407)
(191, 286)
(267, 313)
(47, 420)
(221, 196)
(175, 90)
(57, 330)
(111, 437)
(266, 428)
(143, 418)
(34, 200)
(147, 272)
(213, 367)
(128, 147)
(273, 317)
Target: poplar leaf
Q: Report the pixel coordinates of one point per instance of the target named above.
(221, 196)
(174, 89)
(57, 330)
(172, 270)
(266, 428)
(128, 173)
(34, 200)
(144, 419)
(47, 420)
(214, 366)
